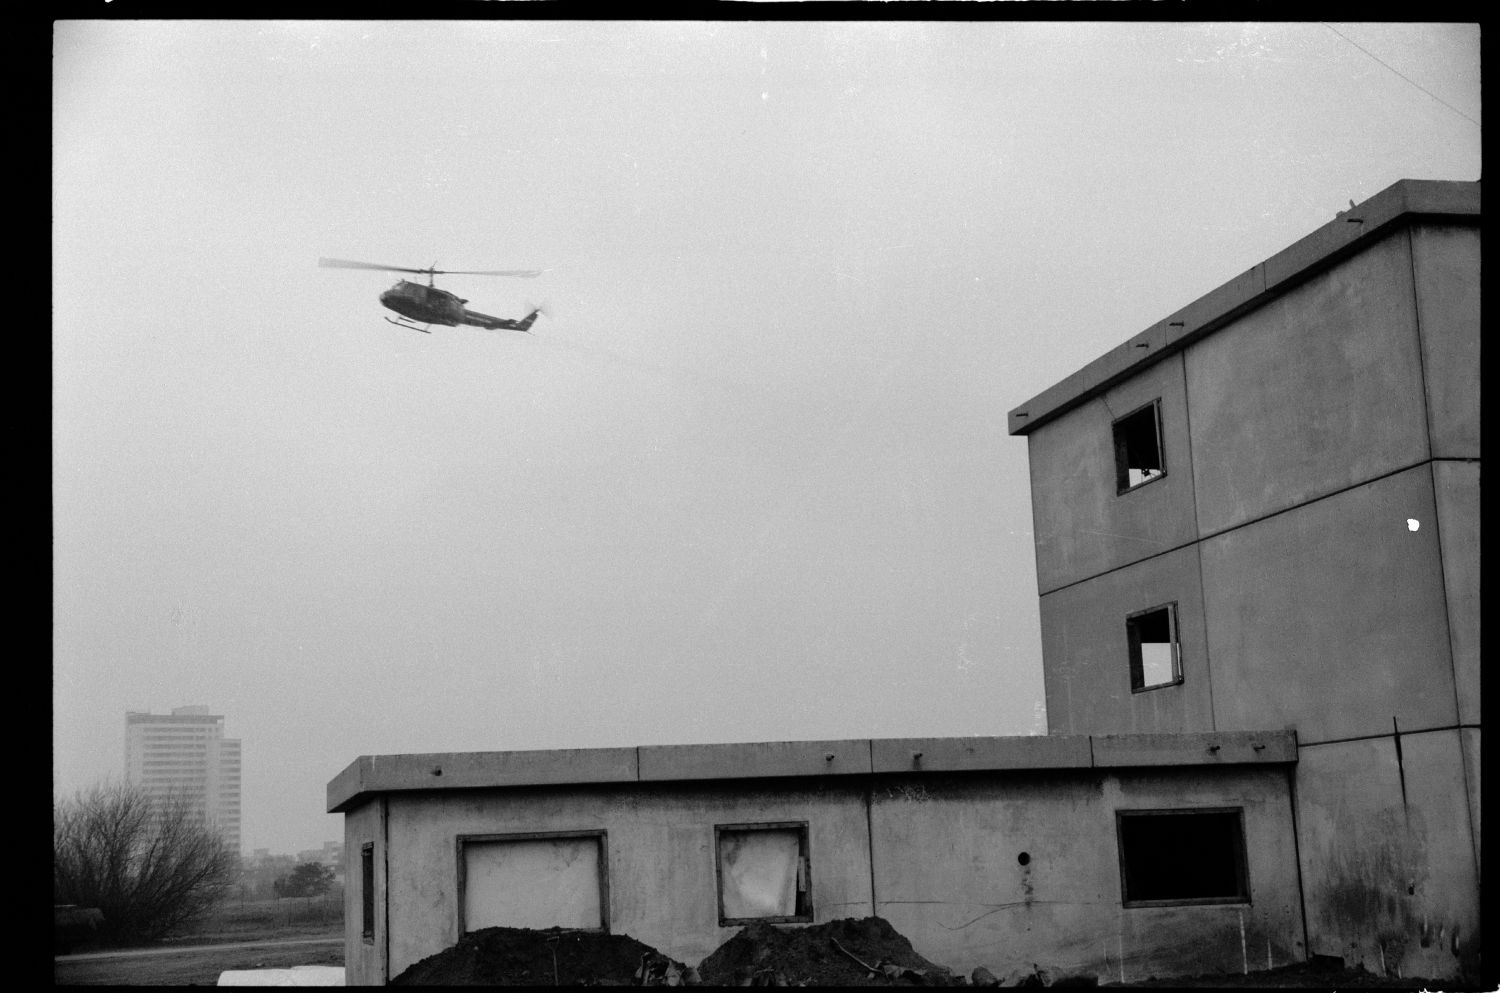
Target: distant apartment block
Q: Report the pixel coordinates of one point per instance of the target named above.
(331, 853)
(185, 753)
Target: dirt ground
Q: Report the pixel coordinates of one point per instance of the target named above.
(235, 922)
(822, 955)
(760, 954)
(868, 952)
(188, 968)
(504, 956)
(1301, 976)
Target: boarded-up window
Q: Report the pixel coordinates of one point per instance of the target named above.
(763, 872)
(1155, 659)
(534, 881)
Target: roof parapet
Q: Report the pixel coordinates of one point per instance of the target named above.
(371, 775)
(1402, 202)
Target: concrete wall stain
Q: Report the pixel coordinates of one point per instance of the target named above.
(1368, 895)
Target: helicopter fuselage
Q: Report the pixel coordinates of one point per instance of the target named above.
(430, 305)
(427, 304)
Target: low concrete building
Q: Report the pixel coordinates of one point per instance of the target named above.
(1257, 552)
(1085, 854)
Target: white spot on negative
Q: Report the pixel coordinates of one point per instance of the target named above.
(1412, 524)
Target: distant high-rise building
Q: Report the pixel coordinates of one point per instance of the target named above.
(185, 753)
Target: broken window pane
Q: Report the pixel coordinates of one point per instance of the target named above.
(1154, 656)
(763, 873)
(533, 883)
(1138, 455)
(1193, 856)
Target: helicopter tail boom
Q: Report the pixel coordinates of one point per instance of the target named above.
(500, 323)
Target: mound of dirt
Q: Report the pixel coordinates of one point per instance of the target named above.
(822, 955)
(507, 956)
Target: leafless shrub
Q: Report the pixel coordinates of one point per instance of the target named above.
(149, 864)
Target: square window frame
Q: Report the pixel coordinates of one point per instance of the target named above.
(1241, 858)
(599, 834)
(804, 846)
(1122, 471)
(1137, 665)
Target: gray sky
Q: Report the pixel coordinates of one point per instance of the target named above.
(750, 479)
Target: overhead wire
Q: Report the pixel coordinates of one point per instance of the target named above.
(1400, 73)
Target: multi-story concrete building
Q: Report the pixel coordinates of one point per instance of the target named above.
(185, 754)
(1257, 543)
(1262, 512)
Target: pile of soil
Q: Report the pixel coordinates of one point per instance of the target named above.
(766, 955)
(508, 956)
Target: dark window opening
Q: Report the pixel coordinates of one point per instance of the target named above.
(1182, 856)
(763, 873)
(1155, 656)
(367, 891)
(1138, 454)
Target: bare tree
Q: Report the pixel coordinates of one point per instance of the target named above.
(150, 864)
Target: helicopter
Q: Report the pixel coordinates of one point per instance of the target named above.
(428, 305)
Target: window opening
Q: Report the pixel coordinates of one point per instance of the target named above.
(1155, 655)
(763, 873)
(367, 891)
(1138, 449)
(534, 880)
(1182, 856)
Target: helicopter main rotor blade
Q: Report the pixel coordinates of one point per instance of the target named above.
(487, 272)
(348, 264)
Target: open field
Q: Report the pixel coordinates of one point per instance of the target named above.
(197, 958)
(189, 967)
(263, 920)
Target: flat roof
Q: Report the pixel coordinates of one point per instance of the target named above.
(1349, 232)
(371, 775)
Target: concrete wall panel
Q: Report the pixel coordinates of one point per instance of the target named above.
(662, 887)
(759, 758)
(1088, 656)
(1082, 525)
(1445, 904)
(1316, 391)
(1457, 487)
(370, 774)
(1265, 934)
(1388, 867)
(1469, 739)
(1026, 872)
(1041, 751)
(364, 959)
(1446, 262)
(1330, 618)
(1211, 748)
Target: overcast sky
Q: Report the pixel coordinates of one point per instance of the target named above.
(750, 479)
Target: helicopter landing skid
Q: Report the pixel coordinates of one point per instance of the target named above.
(403, 324)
